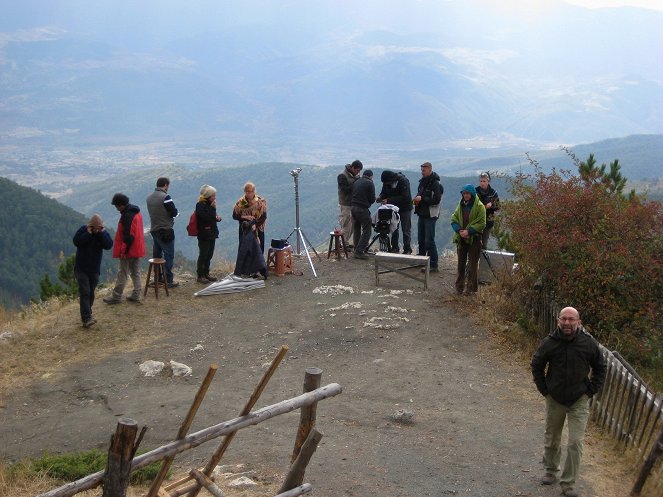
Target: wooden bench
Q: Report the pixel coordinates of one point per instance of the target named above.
(398, 263)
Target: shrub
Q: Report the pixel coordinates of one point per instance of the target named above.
(72, 467)
(591, 247)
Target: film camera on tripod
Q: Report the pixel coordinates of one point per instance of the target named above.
(386, 221)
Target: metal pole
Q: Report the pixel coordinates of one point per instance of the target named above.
(299, 252)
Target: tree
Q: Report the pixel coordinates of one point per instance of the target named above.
(48, 289)
(589, 246)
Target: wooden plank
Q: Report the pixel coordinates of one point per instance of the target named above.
(399, 263)
(408, 259)
(202, 436)
(209, 485)
(218, 454)
(184, 429)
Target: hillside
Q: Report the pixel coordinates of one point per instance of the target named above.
(476, 418)
(36, 234)
(317, 198)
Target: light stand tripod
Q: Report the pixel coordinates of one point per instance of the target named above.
(301, 237)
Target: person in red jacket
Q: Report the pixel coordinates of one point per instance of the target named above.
(129, 247)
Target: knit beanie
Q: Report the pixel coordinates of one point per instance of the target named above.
(469, 188)
(95, 221)
(207, 191)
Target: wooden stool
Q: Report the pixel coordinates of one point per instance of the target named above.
(337, 239)
(157, 268)
(279, 261)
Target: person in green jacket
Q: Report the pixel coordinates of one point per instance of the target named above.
(468, 222)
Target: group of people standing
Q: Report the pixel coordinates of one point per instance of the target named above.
(471, 221)
(129, 245)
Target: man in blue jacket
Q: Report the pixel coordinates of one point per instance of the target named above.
(561, 369)
(91, 240)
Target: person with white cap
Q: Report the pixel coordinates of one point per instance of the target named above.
(208, 232)
(90, 240)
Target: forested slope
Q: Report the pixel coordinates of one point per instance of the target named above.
(36, 232)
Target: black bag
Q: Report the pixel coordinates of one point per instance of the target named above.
(279, 243)
(167, 235)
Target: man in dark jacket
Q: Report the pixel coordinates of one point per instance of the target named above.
(162, 219)
(491, 202)
(427, 207)
(91, 240)
(561, 369)
(396, 191)
(363, 196)
(345, 180)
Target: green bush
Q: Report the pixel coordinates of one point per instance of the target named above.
(72, 467)
(586, 244)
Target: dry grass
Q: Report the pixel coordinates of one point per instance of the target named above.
(48, 337)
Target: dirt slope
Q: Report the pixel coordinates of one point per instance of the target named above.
(478, 421)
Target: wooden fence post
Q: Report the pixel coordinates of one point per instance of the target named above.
(655, 453)
(307, 416)
(120, 456)
(295, 475)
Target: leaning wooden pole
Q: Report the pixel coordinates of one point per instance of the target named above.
(120, 455)
(656, 452)
(202, 436)
(205, 481)
(295, 476)
(307, 415)
(184, 429)
(218, 454)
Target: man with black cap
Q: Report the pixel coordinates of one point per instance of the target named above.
(345, 181)
(129, 247)
(396, 191)
(91, 240)
(468, 222)
(363, 196)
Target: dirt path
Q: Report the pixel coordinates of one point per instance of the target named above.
(478, 421)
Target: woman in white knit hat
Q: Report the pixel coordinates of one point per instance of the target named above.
(208, 232)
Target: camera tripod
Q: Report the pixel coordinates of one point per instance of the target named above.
(384, 242)
(301, 237)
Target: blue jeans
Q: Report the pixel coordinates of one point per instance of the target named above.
(165, 250)
(87, 283)
(426, 238)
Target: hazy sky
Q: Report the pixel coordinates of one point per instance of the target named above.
(648, 4)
